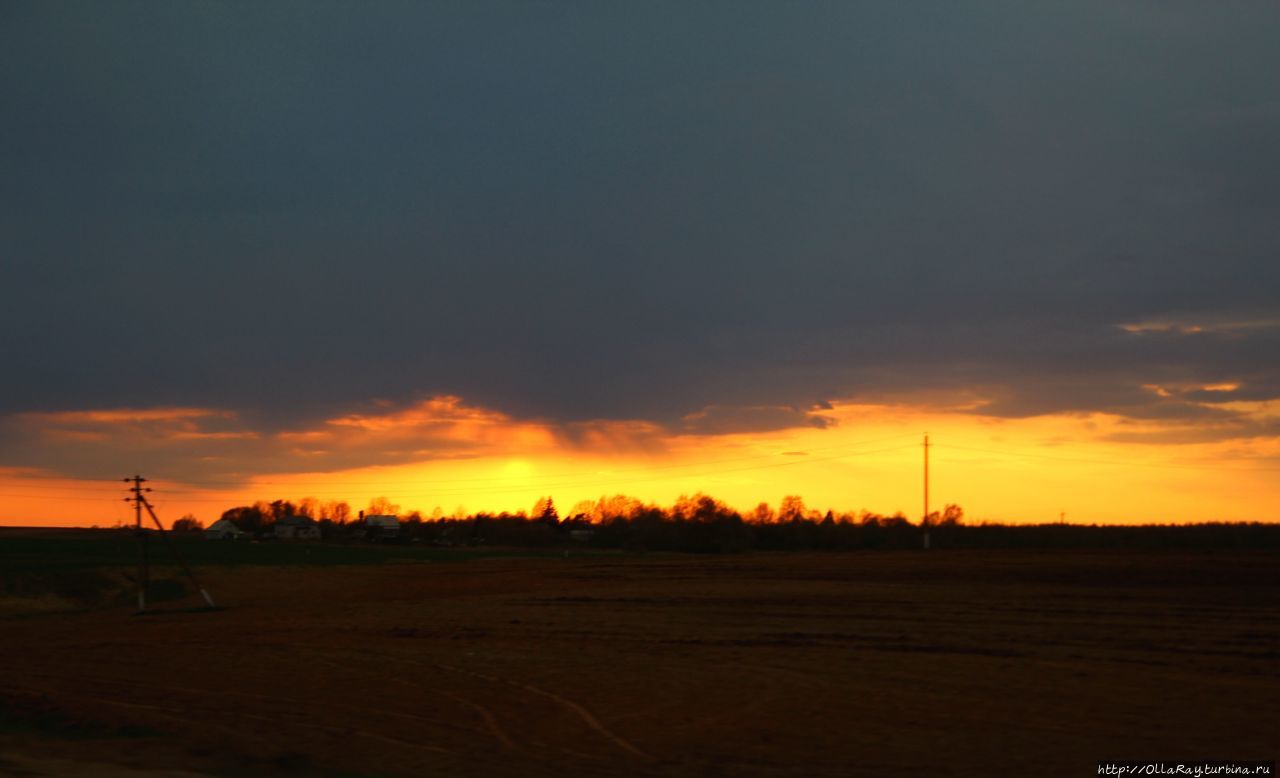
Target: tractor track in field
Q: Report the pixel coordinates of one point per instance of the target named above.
(496, 729)
(586, 716)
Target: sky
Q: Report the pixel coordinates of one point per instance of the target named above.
(470, 254)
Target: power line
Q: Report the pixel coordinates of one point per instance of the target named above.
(498, 479)
(616, 475)
(93, 493)
(53, 477)
(89, 490)
(252, 483)
(1027, 454)
(595, 482)
(47, 494)
(139, 502)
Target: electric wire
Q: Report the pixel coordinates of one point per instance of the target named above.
(1091, 460)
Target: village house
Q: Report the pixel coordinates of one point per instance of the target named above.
(381, 527)
(224, 529)
(296, 528)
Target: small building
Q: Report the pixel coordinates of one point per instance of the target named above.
(296, 528)
(381, 527)
(224, 529)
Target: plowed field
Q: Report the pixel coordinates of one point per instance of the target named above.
(877, 663)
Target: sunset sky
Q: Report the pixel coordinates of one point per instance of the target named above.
(469, 254)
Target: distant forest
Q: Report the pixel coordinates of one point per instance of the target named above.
(702, 524)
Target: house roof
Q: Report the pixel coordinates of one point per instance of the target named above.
(295, 521)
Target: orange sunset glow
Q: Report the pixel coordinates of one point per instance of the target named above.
(752, 263)
(454, 458)
(535, 389)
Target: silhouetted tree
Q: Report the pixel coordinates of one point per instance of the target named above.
(791, 509)
(249, 518)
(544, 510)
(337, 511)
(187, 523)
(617, 506)
(703, 524)
(381, 506)
(583, 511)
(278, 509)
(896, 521)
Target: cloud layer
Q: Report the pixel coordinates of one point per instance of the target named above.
(287, 212)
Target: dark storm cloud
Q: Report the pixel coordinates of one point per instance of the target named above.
(719, 419)
(214, 447)
(634, 213)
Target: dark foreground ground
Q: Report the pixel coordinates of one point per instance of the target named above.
(875, 663)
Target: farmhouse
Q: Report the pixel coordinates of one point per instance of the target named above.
(296, 528)
(381, 527)
(223, 529)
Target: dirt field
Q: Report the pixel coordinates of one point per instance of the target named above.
(878, 663)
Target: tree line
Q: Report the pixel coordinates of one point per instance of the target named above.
(702, 524)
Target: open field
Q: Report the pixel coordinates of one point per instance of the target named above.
(432, 663)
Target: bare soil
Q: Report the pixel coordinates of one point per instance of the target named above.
(877, 663)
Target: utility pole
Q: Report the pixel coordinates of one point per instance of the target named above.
(925, 522)
(144, 574)
(173, 550)
(143, 571)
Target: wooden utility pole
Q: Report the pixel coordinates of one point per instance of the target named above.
(925, 522)
(143, 567)
(140, 502)
(173, 550)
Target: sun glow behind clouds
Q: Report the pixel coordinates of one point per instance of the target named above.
(1093, 467)
(1197, 327)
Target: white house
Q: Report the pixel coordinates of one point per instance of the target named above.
(296, 528)
(224, 529)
